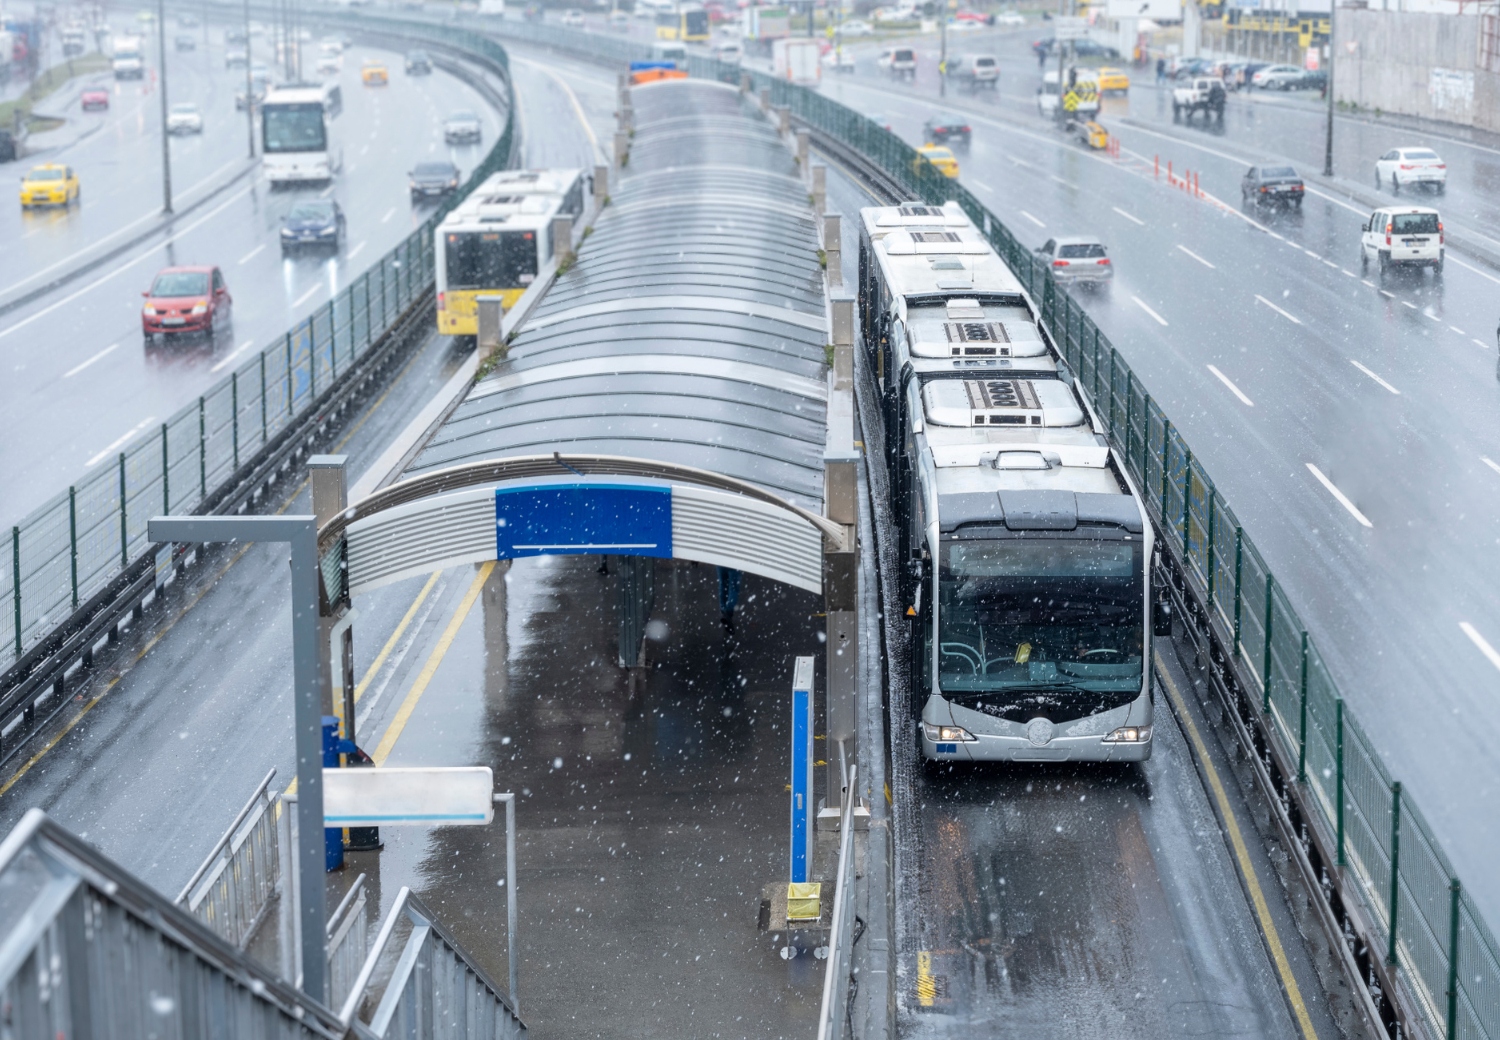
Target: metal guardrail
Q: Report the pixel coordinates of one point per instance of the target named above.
(436, 990)
(1426, 944)
(833, 1015)
(232, 890)
(87, 949)
(68, 566)
(348, 942)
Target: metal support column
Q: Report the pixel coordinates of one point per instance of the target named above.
(841, 567)
(330, 497)
(636, 584)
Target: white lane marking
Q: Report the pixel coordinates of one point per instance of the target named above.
(1371, 284)
(1147, 308)
(388, 215)
(137, 428)
(365, 149)
(1429, 314)
(1059, 180)
(1408, 303)
(1387, 295)
(70, 373)
(577, 108)
(1455, 328)
(299, 301)
(252, 254)
(1128, 216)
(1276, 236)
(1373, 376)
(1491, 463)
(1351, 274)
(1236, 391)
(980, 185)
(1481, 344)
(122, 268)
(1333, 265)
(1470, 267)
(1336, 493)
(354, 252)
(1482, 643)
(224, 363)
(1310, 253)
(1018, 162)
(1278, 310)
(432, 148)
(1198, 258)
(1029, 217)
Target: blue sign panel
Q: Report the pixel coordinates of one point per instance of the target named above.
(802, 723)
(569, 519)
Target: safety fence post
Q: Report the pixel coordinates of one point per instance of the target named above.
(1338, 768)
(1302, 722)
(202, 450)
(234, 416)
(1213, 565)
(1166, 438)
(1454, 890)
(1265, 675)
(1390, 953)
(73, 541)
(289, 395)
(312, 358)
(15, 588)
(166, 473)
(1239, 559)
(1187, 499)
(124, 526)
(264, 427)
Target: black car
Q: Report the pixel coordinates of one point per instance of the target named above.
(8, 151)
(418, 64)
(1271, 185)
(1083, 48)
(945, 128)
(433, 180)
(313, 224)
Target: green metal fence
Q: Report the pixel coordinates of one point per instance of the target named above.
(71, 547)
(1432, 933)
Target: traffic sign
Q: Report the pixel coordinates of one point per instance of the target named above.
(403, 796)
(1070, 28)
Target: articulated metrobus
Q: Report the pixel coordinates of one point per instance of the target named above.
(498, 239)
(685, 24)
(1027, 546)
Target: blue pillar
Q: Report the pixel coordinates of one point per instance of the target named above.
(802, 770)
(333, 837)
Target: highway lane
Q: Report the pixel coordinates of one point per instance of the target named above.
(194, 711)
(79, 381)
(1389, 391)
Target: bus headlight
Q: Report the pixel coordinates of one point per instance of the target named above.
(1129, 735)
(946, 733)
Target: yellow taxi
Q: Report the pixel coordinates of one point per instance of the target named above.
(374, 73)
(940, 157)
(1113, 81)
(51, 184)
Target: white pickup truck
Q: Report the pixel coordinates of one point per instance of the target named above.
(1204, 94)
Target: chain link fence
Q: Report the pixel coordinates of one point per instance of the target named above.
(1434, 937)
(69, 549)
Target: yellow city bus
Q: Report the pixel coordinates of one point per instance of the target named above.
(687, 25)
(498, 239)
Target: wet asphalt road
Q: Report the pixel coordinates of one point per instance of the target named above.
(1389, 390)
(78, 382)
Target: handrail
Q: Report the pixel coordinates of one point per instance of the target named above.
(213, 853)
(830, 1014)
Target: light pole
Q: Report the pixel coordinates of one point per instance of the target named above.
(943, 51)
(302, 533)
(161, 75)
(249, 86)
(1328, 136)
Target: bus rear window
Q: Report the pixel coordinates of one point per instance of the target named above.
(490, 259)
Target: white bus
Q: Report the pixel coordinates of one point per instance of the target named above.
(498, 239)
(1027, 547)
(298, 143)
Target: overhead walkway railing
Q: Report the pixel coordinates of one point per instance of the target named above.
(1427, 943)
(66, 565)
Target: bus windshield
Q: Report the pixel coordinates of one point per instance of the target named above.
(1040, 625)
(490, 259)
(294, 128)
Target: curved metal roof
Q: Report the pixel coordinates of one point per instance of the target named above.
(691, 330)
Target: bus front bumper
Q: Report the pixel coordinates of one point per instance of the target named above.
(990, 748)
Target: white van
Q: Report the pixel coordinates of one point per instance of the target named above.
(1402, 236)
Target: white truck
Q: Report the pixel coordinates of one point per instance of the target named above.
(797, 60)
(1204, 94)
(494, 8)
(127, 58)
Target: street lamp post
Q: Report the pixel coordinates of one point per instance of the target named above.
(249, 86)
(1328, 135)
(161, 75)
(302, 533)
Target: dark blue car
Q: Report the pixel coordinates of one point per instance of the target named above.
(313, 224)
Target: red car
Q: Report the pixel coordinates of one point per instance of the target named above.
(94, 99)
(186, 299)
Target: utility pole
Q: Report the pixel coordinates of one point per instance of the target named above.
(249, 87)
(161, 75)
(943, 59)
(1057, 40)
(1328, 136)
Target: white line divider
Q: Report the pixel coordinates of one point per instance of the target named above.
(137, 428)
(1373, 376)
(1482, 643)
(1143, 305)
(1278, 310)
(1336, 493)
(1236, 391)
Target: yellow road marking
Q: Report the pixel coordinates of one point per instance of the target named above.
(577, 108)
(403, 714)
(390, 644)
(1242, 855)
